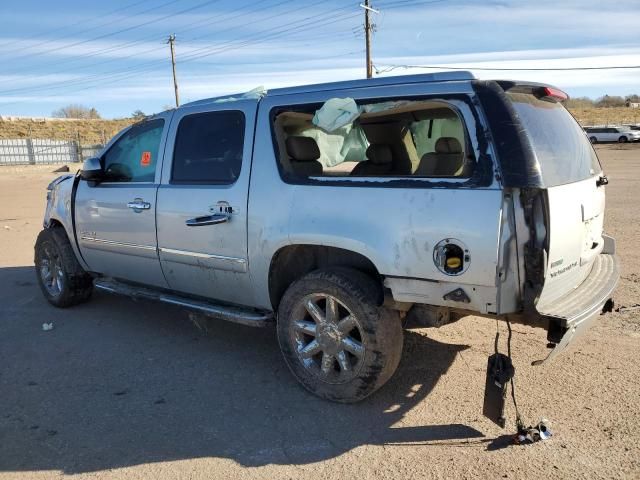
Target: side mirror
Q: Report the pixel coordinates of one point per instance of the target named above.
(92, 170)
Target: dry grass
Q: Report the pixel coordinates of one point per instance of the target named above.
(100, 131)
(606, 116)
(88, 131)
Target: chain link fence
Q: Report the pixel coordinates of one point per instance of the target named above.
(33, 151)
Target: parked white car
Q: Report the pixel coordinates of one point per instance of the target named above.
(612, 134)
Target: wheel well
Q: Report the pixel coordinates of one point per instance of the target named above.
(294, 261)
(53, 223)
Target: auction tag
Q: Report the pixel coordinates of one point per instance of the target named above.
(145, 159)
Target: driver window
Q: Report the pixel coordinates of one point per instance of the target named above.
(133, 158)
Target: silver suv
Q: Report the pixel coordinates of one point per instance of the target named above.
(338, 211)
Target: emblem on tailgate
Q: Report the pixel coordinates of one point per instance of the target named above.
(557, 263)
(563, 270)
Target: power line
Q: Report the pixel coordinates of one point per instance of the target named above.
(389, 68)
(409, 3)
(126, 29)
(193, 55)
(258, 37)
(205, 21)
(79, 22)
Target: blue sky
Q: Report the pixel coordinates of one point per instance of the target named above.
(112, 55)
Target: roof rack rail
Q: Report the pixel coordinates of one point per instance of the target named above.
(459, 75)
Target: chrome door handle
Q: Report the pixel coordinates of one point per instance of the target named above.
(208, 220)
(139, 204)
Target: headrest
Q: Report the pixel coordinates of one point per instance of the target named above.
(448, 145)
(303, 149)
(379, 154)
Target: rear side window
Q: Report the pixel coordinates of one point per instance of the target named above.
(208, 148)
(562, 149)
(134, 156)
(392, 138)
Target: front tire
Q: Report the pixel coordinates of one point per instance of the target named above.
(623, 139)
(62, 279)
(593, 140)
(335, 336)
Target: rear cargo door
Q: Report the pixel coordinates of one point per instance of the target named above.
(574, 198)
(575, 235)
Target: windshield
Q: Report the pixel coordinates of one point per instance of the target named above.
(563, 151)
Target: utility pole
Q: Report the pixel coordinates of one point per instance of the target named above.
(171, 42)
(368, 28)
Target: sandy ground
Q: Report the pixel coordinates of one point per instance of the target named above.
(123, 389)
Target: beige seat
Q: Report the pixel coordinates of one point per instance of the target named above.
(304, 154)
(446, 161)
(380, 162)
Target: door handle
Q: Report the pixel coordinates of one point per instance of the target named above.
(139, 204)
(208, 220)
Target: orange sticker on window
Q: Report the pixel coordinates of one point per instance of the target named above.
(145, 159)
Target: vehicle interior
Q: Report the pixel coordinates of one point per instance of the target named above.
(394, 139)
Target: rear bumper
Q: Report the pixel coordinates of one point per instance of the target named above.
(572, 315)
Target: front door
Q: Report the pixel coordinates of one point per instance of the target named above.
(202, 201)
(116, 219)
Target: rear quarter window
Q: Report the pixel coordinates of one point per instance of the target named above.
(562, 149)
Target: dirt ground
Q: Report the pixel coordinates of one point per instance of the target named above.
(123, 389)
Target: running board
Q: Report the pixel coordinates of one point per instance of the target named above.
(249, 317)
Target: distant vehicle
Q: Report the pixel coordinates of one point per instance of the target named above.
(613, 134)
(634, 127)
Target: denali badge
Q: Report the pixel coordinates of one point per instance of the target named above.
(563, 270)
(557, 263)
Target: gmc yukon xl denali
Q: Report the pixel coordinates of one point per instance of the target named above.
(336, 211)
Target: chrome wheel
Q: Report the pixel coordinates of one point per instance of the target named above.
(328, 338)
(51, 272)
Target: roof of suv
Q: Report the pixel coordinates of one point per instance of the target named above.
(351, 84)
(376, 82)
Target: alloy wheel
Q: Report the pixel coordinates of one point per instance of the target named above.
(328, 338)
(51, 272)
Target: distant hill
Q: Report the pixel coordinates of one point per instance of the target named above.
(88, 131)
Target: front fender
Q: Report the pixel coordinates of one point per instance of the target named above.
(58, 210)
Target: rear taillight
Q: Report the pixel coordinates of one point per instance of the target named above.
(551, 93)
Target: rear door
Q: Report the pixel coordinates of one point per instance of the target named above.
(575, 200)
(202, 201)
(612, 134)
(116, 219)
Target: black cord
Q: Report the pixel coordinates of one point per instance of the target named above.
(519, 422)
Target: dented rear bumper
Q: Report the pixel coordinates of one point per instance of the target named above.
(571, 316)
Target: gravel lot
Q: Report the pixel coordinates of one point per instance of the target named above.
(123, 389)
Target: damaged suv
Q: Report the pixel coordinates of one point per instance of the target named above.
(338, 210)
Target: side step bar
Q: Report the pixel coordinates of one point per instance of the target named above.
(249, 317)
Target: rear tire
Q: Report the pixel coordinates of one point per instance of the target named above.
(623, 139)
(593, 140)
(62, 279)
(337, 339)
